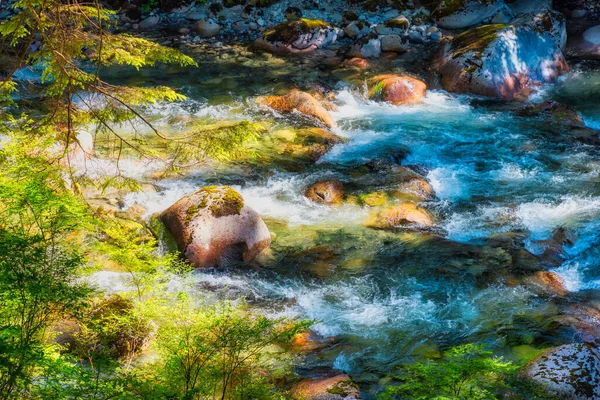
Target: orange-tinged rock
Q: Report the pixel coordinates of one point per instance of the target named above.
(300, 102)
(397, 89)
(330, 191)
(403, 214)
(213, 227)
(336, 387)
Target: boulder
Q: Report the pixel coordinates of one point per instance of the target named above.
(300, 36)
(206, 28)
(401, 215)
(571, 371)
(300, 102)
(549, 23)
(499, 61)
(397, 89)
(330, 191)
(213, 227)
(460, 14)
(338, 387)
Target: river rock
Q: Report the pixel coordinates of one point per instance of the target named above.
(213, 227)
(149, 22)
(588, 45)
(401, 215)
(206, 28)
(339, 387)
(301, 36)
(499, 61)
(357, 29)
(392, 43)
(367, 47)
(330, 191)
(585, 319)
(293, 13)
(415, 187)
(571, 371)
(356, 62)
(300, 102)
(550, 23)
(460, 14)
(547, 283)
(397, 89)
(528, 6)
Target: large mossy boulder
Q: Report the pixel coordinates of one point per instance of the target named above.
(460, 14)
(301, 102)
(397, 89)
(299, 36)
(571, 371)
(213, 227)
(506, 61)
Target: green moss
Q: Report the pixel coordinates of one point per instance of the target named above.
(220, 201)
(343, 388)
(397, 23)
(290, 31)
(475, 40)
(448, 7)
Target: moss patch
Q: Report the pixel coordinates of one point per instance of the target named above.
(475, 40)
(290, 31)
(220, 201)
(448, 7)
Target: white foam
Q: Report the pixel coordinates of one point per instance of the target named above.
(541, 217)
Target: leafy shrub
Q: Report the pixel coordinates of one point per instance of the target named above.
(466, 372)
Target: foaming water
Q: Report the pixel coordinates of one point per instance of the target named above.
(280, 197)
(492, 172)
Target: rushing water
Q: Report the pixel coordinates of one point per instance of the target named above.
(377, 292)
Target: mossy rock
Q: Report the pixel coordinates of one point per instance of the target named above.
(475, 40)
(290, 31)
(220, 201)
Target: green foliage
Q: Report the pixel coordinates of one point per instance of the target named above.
(220, 352)
(466, 372)
(149, 6)
(38, 272)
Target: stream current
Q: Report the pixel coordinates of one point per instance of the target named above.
(381, 295)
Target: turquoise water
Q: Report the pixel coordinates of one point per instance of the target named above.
(389, 298)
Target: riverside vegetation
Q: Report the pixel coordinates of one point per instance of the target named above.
(316, 226)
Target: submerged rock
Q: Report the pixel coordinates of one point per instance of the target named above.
(397, 89)
(548, 283)
(401, 215)
(500, 61)
(459, 14)
(301, 102)
(338, 387)
(300, 36)
(330, 191)
(571, 371)
(213, 227)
